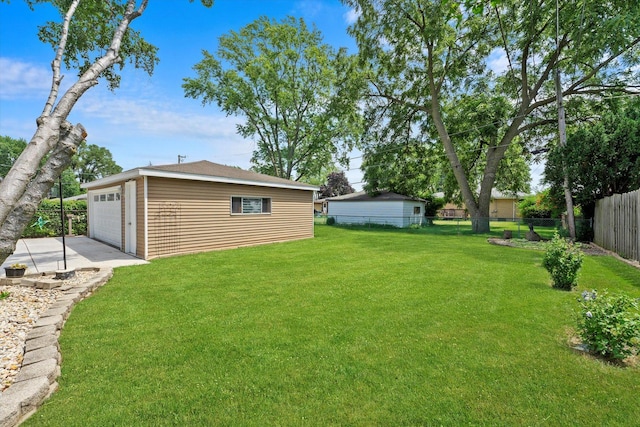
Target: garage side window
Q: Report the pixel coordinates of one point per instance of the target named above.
(250, 205)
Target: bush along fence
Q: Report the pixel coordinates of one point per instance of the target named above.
(46, 221)
(617, 223)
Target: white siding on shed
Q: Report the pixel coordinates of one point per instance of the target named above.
(387, 212)
(409, 217)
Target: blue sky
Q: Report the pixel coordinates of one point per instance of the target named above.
(148, 119)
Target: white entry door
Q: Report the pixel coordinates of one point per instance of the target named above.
(130, 217)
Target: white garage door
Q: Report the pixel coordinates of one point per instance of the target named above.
(105, 212)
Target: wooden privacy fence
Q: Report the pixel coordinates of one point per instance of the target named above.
(617, 223)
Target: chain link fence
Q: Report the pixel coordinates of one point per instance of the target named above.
(518, 227)
(46, 223)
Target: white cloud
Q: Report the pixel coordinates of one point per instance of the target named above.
(23, 80)
(152, 117)
(140, 131)
(498, 61)
(352, 16)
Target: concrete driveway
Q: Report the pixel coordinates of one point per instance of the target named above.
(46, 254)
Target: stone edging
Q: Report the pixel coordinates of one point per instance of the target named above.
(37, 378)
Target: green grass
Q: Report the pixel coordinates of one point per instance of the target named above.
(354, 327)
(457, 227)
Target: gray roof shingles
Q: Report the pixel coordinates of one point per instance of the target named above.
(207, 168)
(362, 196)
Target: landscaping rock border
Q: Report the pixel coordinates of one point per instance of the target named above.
(37, 378)
(587, 248)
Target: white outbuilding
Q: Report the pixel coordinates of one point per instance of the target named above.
(385, 208)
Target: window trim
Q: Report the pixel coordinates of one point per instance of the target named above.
(263, 205)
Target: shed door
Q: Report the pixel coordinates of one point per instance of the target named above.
(105, 216)
(130, 217)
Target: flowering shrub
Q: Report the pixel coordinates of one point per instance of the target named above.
(609, 324)
(562, 260)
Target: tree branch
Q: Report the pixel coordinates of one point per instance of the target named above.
(56, 79)
(553, 60)
(536, 124)
(598, 67)
(90, 77)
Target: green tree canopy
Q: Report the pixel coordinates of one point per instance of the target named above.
(92, 162)
(430, 61)
(410, 168)
(70, 185)
(297, 95)
(10, 149)
(337, 184)
(602, 156)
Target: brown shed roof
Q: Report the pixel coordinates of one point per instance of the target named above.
(203, 171)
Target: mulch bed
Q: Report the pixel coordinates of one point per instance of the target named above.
(587, 248)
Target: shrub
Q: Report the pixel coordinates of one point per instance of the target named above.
(584, 230)
(540, 205)
(46, 221)
(433, 205)
(562, 260)
(609, 325)
(530, 207)
(331, 220)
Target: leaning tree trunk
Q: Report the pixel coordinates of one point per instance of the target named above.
(22, 190)
(22, 212)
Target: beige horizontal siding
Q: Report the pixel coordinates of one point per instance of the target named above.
(504, 208)
(191, 216)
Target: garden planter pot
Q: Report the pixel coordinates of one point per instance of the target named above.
(14, 272)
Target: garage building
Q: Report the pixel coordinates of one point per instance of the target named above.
(158, 211)
(385, 208)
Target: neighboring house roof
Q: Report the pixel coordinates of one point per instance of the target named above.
(495, 194)
(362, 196)
(78, 197)
(203, 171)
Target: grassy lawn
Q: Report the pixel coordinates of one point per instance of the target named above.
(464, 227)
(354, 327)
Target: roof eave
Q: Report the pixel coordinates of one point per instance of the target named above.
(134, 173)
(112, 179)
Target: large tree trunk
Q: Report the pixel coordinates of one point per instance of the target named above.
(23, 210)
(26, 166)
(495, 154)
(22, 190)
